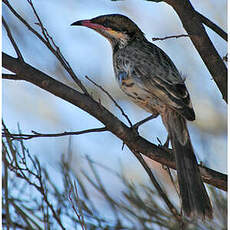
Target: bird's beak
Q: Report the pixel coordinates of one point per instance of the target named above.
(105, 31)
(89, 24)
(80, 23)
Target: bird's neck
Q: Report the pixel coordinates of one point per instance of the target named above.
(123, 42)
(120, 43)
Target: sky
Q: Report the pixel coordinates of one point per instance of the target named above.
(90, 54)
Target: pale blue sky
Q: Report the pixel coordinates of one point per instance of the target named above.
(90, 54)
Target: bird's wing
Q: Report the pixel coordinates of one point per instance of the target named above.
(154, 69)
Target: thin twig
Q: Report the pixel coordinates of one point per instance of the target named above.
(225, 58)
(138, 124)
(5, 189)
(100, 187)
(24, 22)
(157, 186)
(10, 76)
(9, 34)
(39, 20)
(112, 99)
(168, 37)
(79, 206)
(35, 134)
(79, 216)
(20, 167)
(56, 51)
(208, 23)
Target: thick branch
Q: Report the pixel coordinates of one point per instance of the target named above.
(113, 124)
(213, 26)
(194, 27)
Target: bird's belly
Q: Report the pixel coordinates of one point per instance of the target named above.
(141, 96)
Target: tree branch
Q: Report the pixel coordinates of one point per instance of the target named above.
(192, 23)
(111, 98)
(113, 124)
(173, 36)
(207, 22)
(12, 39)
(22, 136)
(213, 26)
(48, 41)
(10, 76)
(162, 194)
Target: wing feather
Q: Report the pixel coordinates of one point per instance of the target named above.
(154, 70)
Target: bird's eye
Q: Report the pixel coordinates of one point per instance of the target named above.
(106, 23)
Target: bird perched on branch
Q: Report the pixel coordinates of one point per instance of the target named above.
(149, 77)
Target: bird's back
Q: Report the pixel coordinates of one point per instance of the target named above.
(152, 70)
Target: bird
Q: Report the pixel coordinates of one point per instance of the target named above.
(147, 75)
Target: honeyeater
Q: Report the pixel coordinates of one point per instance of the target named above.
(147, 75)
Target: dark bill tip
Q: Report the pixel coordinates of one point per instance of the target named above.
(77, 23)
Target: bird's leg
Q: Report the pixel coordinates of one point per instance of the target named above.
(138, 124)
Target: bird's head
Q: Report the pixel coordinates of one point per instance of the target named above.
(118, 29)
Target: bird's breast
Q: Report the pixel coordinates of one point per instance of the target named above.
(132, 73)
(138, 93)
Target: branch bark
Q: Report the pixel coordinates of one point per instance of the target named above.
(192, 23)
(12, 39)
(213, 26)
(22, 136)
(113, 124)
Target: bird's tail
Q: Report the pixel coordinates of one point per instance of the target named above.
(195, 200)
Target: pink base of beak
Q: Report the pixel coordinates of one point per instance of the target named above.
(91, 25)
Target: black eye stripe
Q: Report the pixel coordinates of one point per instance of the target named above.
(108, 23)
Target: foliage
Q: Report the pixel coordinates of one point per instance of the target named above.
(32, 199)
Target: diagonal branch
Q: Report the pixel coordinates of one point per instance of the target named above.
(192, 23)
(116, 104)
(213, 26)
(9, 34)
(162, 194)
(45, 39)
(207, 22)
(113, 124)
